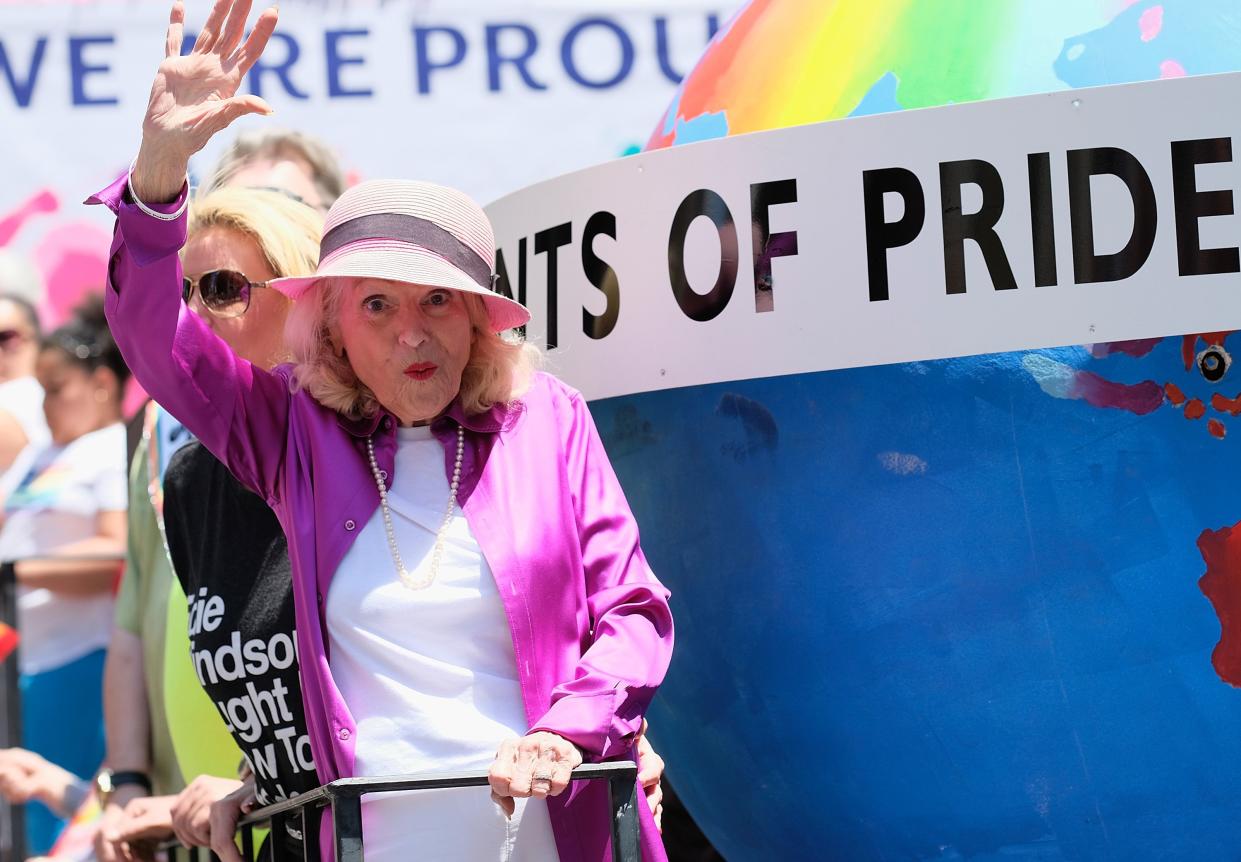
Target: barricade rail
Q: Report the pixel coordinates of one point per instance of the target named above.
(344, 798)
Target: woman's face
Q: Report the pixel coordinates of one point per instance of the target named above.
(18, 345)
(257, 335)
(407, 343)
(76, 400)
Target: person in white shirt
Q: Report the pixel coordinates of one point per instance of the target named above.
(70, 501)
(21, 398)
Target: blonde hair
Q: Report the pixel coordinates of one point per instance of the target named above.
(498, 371)
(285, 230)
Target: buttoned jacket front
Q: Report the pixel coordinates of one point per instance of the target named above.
(591, 629)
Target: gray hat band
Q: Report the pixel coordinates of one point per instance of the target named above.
(413, 230)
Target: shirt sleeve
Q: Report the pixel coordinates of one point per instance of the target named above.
(600, 709)
(238, 411)
(111, 485)
(128, 612)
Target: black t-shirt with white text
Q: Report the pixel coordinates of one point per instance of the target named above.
(232, 560)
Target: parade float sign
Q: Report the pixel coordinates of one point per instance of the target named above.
(928, 419)
(996, 226)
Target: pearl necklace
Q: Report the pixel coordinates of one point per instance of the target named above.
(406, 576)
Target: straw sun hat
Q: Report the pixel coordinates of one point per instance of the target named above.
(412, 232)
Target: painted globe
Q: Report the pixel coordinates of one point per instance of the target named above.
(974, 609)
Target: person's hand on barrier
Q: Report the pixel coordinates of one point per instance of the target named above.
(144, 823)
(224, 816)
(650, 775)
(106, 849)
(195, 96)
(191, 813)
(537, 765)
(25, 775)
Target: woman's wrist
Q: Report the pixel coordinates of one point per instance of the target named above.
(157, 176)
(62, 791)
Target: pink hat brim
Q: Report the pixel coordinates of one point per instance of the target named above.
(402, 262)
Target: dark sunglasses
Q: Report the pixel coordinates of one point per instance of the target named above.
(11, 338)
(224, 292)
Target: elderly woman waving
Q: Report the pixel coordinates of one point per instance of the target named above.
(467, 573)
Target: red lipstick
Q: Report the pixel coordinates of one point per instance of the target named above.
(421, 370)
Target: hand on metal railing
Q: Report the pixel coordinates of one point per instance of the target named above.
(344, 798)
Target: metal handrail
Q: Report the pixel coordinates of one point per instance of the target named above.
(13, 823)
(344, 797)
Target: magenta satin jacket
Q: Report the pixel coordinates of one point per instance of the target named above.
(590, 623)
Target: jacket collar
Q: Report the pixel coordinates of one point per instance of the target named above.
(489, 422)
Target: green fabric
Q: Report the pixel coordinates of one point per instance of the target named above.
(142, 610)
(199, 735)
(188, 736)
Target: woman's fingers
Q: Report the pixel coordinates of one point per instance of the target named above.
(191, 828)
(550, 760)
(234, 28)
(256, 42)
(650, 764)
(502, 772)
(539, 765)
(523, 769)
(506, 803)
(238, 106)
(210, 32)
(655, 797)
(249, 801)
(562, 773)
(223, 819)
(176, 30)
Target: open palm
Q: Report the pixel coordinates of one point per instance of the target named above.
(195, 96)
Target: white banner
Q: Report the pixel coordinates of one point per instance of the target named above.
(483, 95)
(1071, 218)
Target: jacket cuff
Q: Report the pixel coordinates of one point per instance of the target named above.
(590, 722)
(146, 239)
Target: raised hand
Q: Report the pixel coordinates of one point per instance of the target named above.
(195, 96)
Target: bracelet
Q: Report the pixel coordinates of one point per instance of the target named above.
(129, 182)
(120, 779)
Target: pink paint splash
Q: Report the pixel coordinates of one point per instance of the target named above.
(73, 258)
(43, 202)
(1137, 348)
(1171, 69)
(1151, 23)
(1139, 398)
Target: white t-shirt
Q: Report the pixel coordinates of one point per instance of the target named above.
(61, 490)
(429, 677)
(23, 400)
